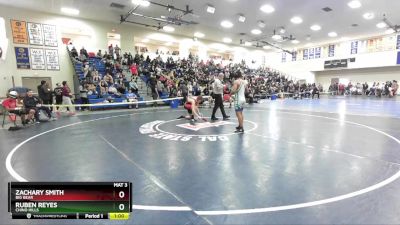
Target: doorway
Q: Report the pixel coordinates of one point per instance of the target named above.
(33, 82)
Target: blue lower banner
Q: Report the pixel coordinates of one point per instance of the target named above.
(398, 58)
(22, 58)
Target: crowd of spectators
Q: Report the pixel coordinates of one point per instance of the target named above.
(181, 77)
(378, 89)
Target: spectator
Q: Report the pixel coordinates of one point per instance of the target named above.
(13, 107)
(33, 104)
(58, 93)
(67, 98)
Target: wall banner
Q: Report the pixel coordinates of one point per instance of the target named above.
(305, 54)
(22, 58)
(331, 51)
(354, 47)
(294, 55)
(50, 35)
(398, 42)
(19, 32)
(35, 33)
(311, 53)
(318, 52)
(37, 59)
(52, 59)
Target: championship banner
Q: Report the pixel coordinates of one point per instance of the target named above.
(318, 52)
(283, 57)
(294, 56)
(354, 47)
(50, 35)
(52, 59)
(311, 53)
(35, 33)
(37, 59)
(22, 58)
(331, 51)
(3, 39)
(305, 54)
(398, 42)
(19, 32)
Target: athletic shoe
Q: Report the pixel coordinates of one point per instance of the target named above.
(37, 122)
(181, 117)
(53, 118)
(239, 131)
(226, 118)
(214, 119)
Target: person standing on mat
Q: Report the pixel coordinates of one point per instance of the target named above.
(238, 90)
(218, 89)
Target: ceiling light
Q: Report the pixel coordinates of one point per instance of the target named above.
(168, 29)
(145, 40)
(277, 37)
(332, 34)
(390, 31)
(266, 47)
(70, 11)
(267, 8)
(261, 24)
(144, 3)
(369, 16)
(315, 27)
(242, 18)
(296, 20)
(226, 24)
(295, 42)
(381, 25)
(308, 38)
(256, 31)
(210, 9)
(354, 4)
(199, 35)
(227, 40)
(247, 43)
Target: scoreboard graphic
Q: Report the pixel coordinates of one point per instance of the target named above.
(70, 200)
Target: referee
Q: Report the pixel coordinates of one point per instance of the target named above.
(218, 89)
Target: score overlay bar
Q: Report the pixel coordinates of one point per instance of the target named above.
(69, 200)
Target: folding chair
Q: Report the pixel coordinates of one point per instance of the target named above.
(5, 113)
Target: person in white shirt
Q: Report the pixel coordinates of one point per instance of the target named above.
(218, 89)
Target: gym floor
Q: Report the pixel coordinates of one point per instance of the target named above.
(329, 161)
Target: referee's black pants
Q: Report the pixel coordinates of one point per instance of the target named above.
(219, 103)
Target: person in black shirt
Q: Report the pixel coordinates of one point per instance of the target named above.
(33, 103)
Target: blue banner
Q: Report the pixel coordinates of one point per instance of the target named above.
(311, 53)
(398, 42)
(354, 47)
(318, 52)
(22, 57)
(331, 51)
(398, 58)
(305, 54)
(294, 56)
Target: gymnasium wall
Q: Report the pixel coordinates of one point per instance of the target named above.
(93, 35)
(369, 75)
(368, 66)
